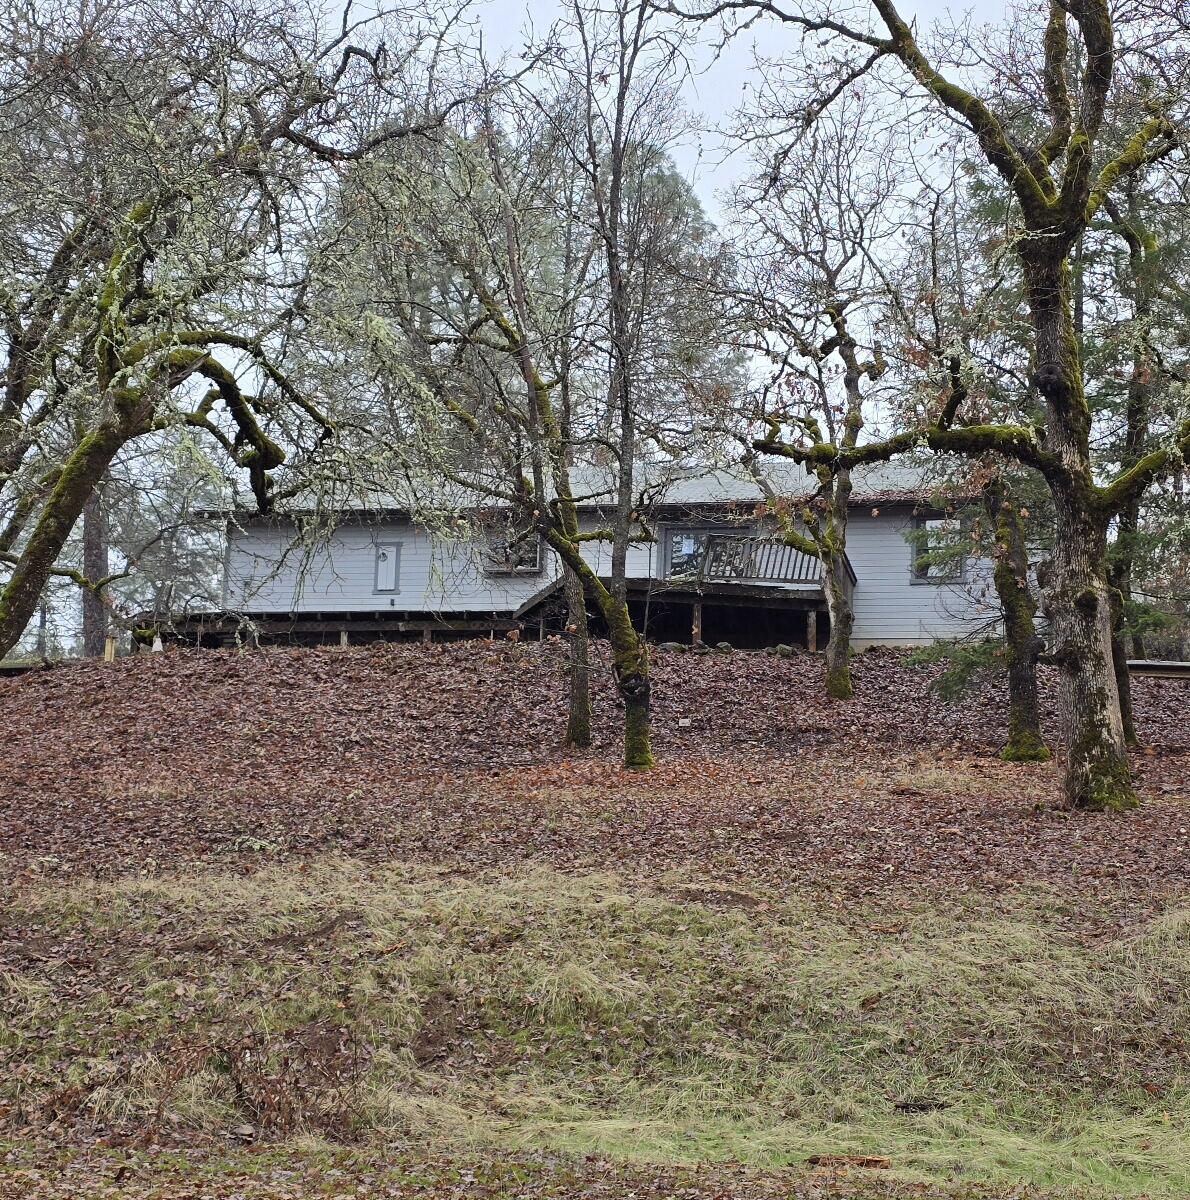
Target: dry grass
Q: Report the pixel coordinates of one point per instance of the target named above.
(581, 1015)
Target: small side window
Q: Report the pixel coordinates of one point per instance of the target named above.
(938, 551)
(388, 567)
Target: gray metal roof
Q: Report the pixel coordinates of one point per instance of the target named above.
(664, 485)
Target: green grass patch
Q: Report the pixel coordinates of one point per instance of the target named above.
(545, 1012)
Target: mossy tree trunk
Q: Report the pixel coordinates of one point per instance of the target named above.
(836, 582)
(838, 646)
(630, 666)
(58, 517)
(1018, 605)
(630, 658)
(578, 723)
(1077, 596)
(829, 531)
(133, 367)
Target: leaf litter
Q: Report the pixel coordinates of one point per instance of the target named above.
(452, 754)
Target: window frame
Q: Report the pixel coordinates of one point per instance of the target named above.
(918, 548)
(700, 528)
(394, 548)
(675, 530)
(492, 566)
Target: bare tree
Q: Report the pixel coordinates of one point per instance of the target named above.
(1059, 171)
(480, 283)
(166, 165)
(807, 227)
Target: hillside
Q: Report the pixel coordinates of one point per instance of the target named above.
(451, 753)
(311, 923)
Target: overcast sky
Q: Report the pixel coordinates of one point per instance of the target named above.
(718, 90)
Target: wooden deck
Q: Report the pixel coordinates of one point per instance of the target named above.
(229, 629)
(1167, 669)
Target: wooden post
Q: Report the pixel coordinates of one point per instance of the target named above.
(343, 638)
(696, 622)
(109, 649)
(427, 635)
(812, 630)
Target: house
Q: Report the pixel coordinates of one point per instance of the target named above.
(713, 571)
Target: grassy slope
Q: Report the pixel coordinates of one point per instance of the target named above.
(586, 1015)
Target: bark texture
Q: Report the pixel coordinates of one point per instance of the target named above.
(1077, 592)
(1023, 647)
(578, 723)
(95, 568)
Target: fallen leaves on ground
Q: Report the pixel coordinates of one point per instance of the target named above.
(452, 754)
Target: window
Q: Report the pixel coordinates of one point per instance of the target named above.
(937, 550)
(686, 548)
(511, 551)
(387, 577)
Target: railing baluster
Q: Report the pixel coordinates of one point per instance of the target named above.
(729, 558)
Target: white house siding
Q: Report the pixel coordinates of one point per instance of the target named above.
(894, 609)
(268, 570)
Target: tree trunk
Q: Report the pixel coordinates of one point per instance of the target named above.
(1142, 247)
(630, 664)
(1123, 552)
(842, 615)
(1018, 605)
(578, 723)
(60, 513)
(1119, 654)
(95, 567)
(1078, 596)
(630, 659)
(43, 631)
(1097, 776)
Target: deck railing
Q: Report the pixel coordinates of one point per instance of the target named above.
(735, 558)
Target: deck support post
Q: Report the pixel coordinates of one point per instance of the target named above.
(427, 636)
(696, 622)
(343, 637)
(812, 630)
